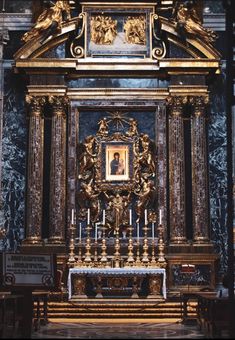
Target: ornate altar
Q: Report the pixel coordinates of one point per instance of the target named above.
(122, 105)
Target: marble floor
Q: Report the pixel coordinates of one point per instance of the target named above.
(117, 329)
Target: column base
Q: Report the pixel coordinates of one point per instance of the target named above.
(32, 240)
(201, 240)
(56, 240)
(178, 240)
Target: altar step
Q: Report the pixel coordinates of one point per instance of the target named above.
(109, 309)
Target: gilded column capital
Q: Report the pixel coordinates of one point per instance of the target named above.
(199, 104)
(59, 104)
(176, 104)
(35, 104)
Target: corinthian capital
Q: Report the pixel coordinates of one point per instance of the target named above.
(59, 104)
(176, 104)
(35, 104)
(199, 104)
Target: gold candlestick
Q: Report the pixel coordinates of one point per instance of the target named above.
(96, 254)
(145, 258)
(79, 262)
(71, 260)
(138, 261)
(161, 245)
(87, 259)
(117, 251)
(103, 259)
(130, 258)
(153, 260)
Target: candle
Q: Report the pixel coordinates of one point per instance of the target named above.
(145, 217)
(80, 232)
(130, 217)
(153, 230)
(103, 217)
(138, 231)
(96, 229)
(72, 219)
(88, 216)
(160, 217)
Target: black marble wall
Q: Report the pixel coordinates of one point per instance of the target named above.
(218, 169)
(13, 162)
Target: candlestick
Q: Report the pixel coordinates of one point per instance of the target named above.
(138, 231)
(103, 217)
(145, 217)
(160, 217)
(153, 231)
(80, 232)
(88, 216)
(130, 217)
(72, 219)
(96, 229)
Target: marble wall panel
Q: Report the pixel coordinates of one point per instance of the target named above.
(13, 163)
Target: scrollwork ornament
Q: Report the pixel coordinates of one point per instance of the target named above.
(159, 51)
(76, 50)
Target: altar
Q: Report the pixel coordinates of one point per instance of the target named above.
(121, 282)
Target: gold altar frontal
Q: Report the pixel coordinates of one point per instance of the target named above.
(117, 100)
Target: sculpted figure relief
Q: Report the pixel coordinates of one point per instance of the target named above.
(135, 30)
(50, 20)
(188, 22)
(103, 30)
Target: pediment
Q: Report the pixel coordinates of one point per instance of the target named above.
(81, 48)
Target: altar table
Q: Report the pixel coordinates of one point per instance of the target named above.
(121, 279)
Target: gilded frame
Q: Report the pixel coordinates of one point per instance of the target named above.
(119, 47)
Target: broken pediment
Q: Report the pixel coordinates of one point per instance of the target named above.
(118, 36)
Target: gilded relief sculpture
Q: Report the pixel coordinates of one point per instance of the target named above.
(188, 23)
(116, 193)
(135, 30)
(103, 30)
(49, 21)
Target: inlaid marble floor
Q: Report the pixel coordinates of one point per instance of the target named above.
(117, 330)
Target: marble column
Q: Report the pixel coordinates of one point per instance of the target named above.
(177, 169)
(58, 169)
(199, 170)
(35, 169)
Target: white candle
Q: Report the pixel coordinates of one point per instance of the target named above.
(80, 232)
(145, 217)
(96, 229)
(72, 219)
(153, 231)
(103, 217)
(88, 216)
(160, 217)
(138, 231)
(130, 217)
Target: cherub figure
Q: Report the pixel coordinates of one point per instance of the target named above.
(133, 128)
(49, 21)
(103, 127)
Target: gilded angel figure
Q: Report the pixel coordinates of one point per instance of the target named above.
(188, 22)
(50, 20)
